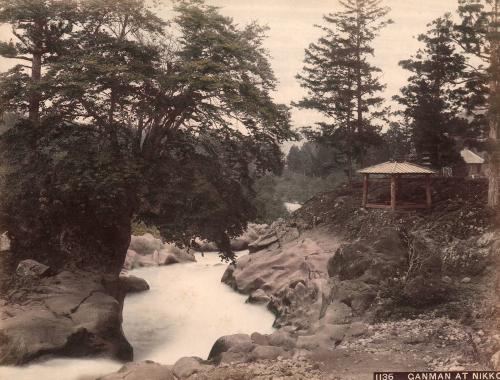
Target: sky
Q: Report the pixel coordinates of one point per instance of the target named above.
(292, 29)
(291, 24)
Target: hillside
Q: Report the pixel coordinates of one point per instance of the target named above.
(366, 290)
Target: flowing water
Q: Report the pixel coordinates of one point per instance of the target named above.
(184, 312)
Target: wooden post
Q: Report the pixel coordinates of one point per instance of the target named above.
(365, 190)
(428, 191)
(393, 192)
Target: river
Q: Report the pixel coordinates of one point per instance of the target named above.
(184, 312)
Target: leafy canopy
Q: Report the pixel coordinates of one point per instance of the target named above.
(185, 106)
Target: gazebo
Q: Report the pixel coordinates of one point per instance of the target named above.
(395, 170)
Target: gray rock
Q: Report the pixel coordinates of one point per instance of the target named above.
(326, 336)
(70, 314)
(282, 339)
(333, 333)
(466, 280)
(133, 284)
(291, 274)
(311, 342)
(188, 366)
(262, 340)
(262, 242)
(358, 329)
(267, 353)
(145, 244)
(141, 371)
(337, 313)
(242, 347)
(259, 297)
(171, 254)
(225, 343)
(233, 357)
(31, 268)
(446, 279)
(152, 252)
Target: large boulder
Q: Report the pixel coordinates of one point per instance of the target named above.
(267, 353)
(133, 284)
(287, 278)
(31, 268)
(236, 343)
(254, 238)
(262, 242)
(146, 251)
(171, 254)
(145, 244)
(71, 314)
(141, 371)
(187, 366)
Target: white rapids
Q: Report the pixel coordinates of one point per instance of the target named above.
(183, 314)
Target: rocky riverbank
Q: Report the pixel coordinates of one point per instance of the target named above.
(74, 312)
(358, 291)
(354, 291)
(71, 314)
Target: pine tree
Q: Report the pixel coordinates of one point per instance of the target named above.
(478, 35)
(341, 82)
(441, 96)
(41, 28)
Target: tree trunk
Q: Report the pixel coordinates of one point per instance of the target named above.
(35, 96)
(359, 93)
(494, 164)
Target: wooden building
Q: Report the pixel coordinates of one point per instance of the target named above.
(394, 171)
(475, 163)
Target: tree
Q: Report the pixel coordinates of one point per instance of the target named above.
(187, 113)
(268, 202)
(40, 28)
(341, 82)
(398, 142)
(442, 96)
(477, 35)
(313, 159)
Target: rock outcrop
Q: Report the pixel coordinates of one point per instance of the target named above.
(71, 314)
(141, 371)
(255, 238)
(280, 368)
(133, 284)
(289, 276)
(146, 250)
(31, 268)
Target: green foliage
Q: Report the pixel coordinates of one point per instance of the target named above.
(64, 195)
(398, 142)
(341, 82)
(140, 228)
(42, 29)
(314, 160)
(175, 121)
(298, 188)
(441, 96)
(268, 201)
